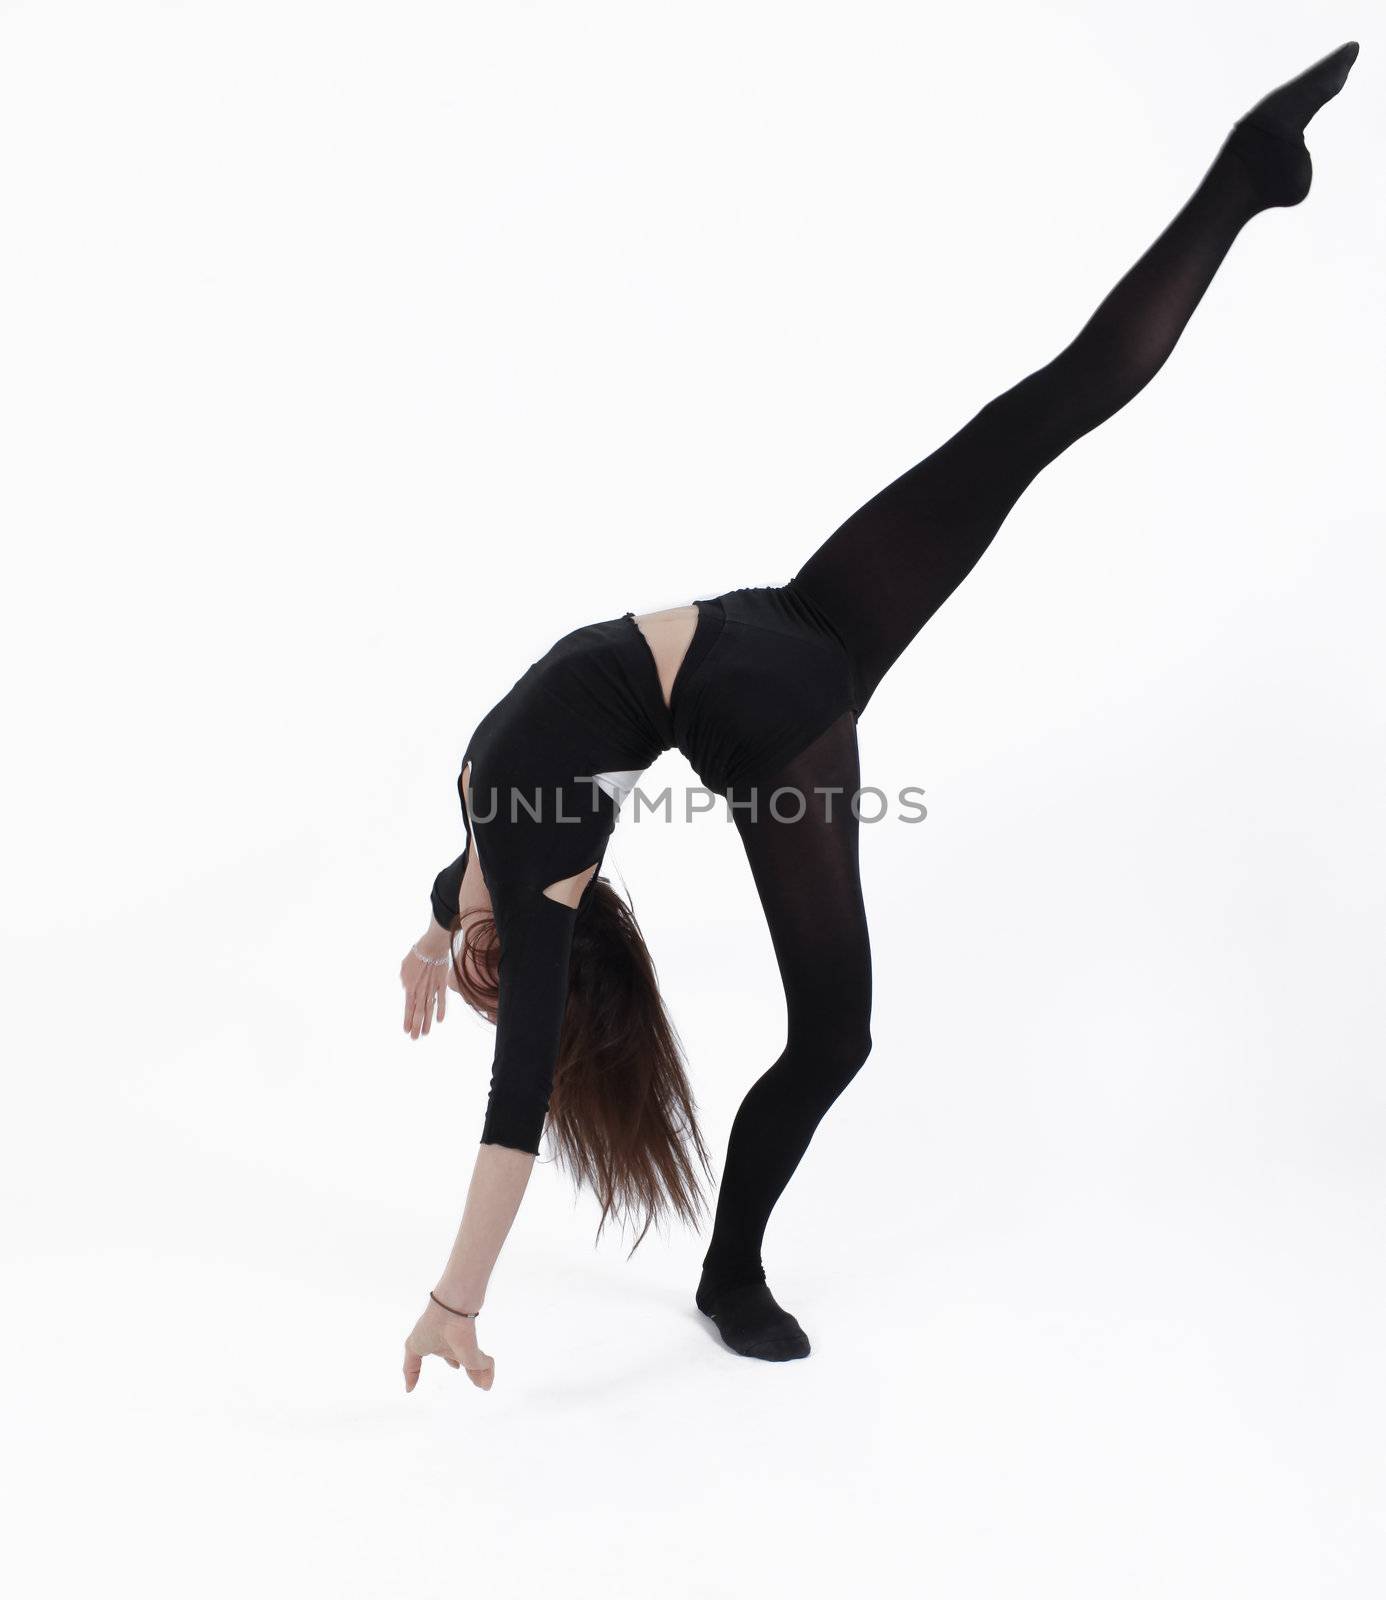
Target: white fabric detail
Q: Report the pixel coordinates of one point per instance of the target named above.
(618, 784)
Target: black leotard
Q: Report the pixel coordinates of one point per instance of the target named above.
(763, 675)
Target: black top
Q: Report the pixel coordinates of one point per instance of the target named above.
(592, 704)
(763, 675)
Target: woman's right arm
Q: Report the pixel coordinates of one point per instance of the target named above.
(498, 1184)
(536, 939)
(535, 932)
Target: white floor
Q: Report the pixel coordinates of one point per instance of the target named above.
(1105, 1388)
(1095, 1295)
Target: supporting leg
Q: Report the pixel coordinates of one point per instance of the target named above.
(806, 873)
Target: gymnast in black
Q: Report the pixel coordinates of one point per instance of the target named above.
(761, 689)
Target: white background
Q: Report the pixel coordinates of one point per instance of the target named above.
(349, 355)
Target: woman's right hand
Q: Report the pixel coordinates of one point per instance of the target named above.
(424, 975)
(439, 1333)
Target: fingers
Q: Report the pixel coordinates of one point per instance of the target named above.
(435, 998)
(415, 978)
(425, 994)
(428, 998)
(418, 1007)
(409, 977)
(481, 1376)
(413, 1019)
(479, 1367)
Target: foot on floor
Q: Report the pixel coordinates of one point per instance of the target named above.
(752, 1322)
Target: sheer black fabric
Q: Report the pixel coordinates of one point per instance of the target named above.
(805, 869)
(894, 562)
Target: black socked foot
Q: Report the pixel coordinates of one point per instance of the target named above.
(1269, 139)
(753, 1323)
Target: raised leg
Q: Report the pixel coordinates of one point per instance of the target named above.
(890, 566)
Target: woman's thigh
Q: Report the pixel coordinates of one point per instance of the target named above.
(800, 833)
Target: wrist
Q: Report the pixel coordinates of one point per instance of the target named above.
(461, 1292)
(434, 943)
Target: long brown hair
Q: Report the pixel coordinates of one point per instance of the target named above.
(621, 1115)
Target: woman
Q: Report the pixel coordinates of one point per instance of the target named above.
(761, 689)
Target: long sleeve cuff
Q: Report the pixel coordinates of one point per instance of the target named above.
(516, 1121)
(447, 886)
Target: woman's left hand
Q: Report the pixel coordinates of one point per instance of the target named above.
(439, 1333)
(424, 974)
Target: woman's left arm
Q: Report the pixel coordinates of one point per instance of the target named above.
(424, 975)
(426, 971)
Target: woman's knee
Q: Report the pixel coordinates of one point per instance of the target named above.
(834, 1055)
(855, 1048)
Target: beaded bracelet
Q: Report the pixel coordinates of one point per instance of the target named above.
(430, 961)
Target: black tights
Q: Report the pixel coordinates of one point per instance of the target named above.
(880, 578)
